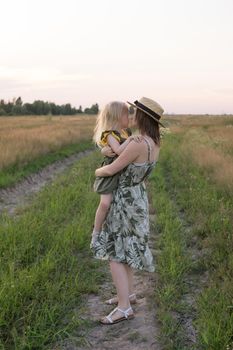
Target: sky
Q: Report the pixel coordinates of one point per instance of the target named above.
(177, 52)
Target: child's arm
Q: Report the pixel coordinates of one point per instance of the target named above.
(107, 151)
(129, 155)
(115, 145)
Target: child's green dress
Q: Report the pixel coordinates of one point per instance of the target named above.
(104, 185)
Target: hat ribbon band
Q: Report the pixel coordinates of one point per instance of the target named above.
(146, 109)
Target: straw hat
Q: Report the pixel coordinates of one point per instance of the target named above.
(150, 107)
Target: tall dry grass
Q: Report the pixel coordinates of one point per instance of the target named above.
(208, 140)
(189, 121)
(222, 137)
(24, 138)
(219, 166)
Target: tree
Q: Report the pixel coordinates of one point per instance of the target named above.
(67, 109)
(16, 110)
(39, 107)
(8, 107)
(28, 108)
(80, 110)
(53, 108)
(47, 109)
(19, 101)
(93, 110)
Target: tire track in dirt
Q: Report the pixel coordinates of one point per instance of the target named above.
(195, 278)
(140, 333)
(22, 192)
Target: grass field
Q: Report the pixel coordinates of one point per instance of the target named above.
(29, 143)
(46, 265)
(193, 194)
(25, 138)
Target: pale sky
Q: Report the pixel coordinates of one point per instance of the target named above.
(177, 52)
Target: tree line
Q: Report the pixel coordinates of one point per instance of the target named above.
(39, 107)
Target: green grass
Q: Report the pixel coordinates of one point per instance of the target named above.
(10, 175)
(47, 267)
(46, 264)
(207, 209)
(172, 263)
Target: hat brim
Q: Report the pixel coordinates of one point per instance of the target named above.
(157, 120)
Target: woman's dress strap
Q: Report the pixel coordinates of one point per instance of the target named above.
(148, 147)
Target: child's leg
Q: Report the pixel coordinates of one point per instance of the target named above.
(101, 212)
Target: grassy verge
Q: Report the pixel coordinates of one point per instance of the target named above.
(11, 175)
(208, 208)
(46, 264)
(173, 263)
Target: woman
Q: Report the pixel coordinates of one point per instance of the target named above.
(124, 236)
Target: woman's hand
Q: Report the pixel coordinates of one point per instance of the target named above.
(107, 151)
(97, 172)
(128, 156)
(103, 171)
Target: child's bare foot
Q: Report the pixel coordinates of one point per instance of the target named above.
(114, 300)
(93, 238)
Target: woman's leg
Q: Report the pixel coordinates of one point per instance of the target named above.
(130, 279)
(132, 295)
(101, 212)
(120, 279)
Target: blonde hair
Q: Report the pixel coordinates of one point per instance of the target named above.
(108, 118)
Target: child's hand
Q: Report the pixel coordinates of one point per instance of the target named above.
(136, 138)
(107, 151)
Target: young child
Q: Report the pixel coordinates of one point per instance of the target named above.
(111, 130)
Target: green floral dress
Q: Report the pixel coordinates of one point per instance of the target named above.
(125, 232)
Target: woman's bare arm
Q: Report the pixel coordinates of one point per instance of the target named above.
(129, 155)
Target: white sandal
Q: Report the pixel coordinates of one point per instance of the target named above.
(115, 301)
(125, 317)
